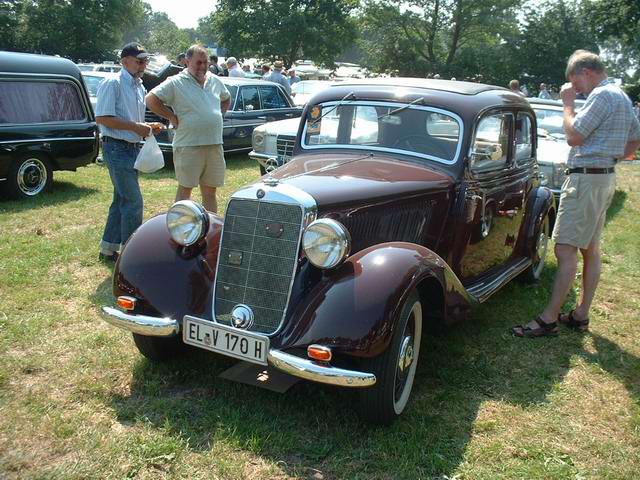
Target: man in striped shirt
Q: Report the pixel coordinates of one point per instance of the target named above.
(603, 131)
(120, 115)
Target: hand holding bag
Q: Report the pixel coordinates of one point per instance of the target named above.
(150, 157)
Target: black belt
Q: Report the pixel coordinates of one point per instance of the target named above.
(111, 139)
(590, 170)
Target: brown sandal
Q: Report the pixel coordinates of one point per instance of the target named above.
(543, 330)
(568, 320)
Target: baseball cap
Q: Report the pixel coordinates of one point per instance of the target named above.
(134, 49)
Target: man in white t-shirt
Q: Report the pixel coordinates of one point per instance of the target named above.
(234, 68)
(198, 99)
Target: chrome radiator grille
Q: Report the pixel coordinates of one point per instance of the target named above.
(284, 145)
(257, 261)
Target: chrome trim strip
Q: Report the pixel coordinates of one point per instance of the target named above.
(483, 291)
(448, 113)
(279, 193)
(142, 324)
(93, 139)
(317, 372)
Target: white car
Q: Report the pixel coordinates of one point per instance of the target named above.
(302, 91)
(99, 67)
(93, 79)
(273, 143)
(553, 150)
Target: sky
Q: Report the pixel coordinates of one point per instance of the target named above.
(184, 13)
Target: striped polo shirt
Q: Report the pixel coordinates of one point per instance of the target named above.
(607, 123)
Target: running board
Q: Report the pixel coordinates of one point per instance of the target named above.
(485, 288)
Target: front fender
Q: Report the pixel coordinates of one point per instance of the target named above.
(168, 280)
(354, 308)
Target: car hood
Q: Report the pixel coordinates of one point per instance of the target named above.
(361, 178)
(552, 151)
(281, 127)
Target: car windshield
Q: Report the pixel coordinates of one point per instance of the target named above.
(412, 129)
(92, 82)
(308, 88)
(551, 121)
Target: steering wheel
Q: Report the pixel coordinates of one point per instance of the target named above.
(420, 144)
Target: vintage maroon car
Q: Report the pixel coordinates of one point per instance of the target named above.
(406, 203)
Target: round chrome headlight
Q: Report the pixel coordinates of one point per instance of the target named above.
(187, 222)
(326, 243)
(258, 140)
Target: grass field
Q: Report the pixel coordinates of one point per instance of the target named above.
(78, 401)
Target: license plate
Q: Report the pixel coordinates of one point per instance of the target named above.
(225, 340)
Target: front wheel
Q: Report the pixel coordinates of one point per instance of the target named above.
(29, 176)
(159, 349)
(395, 369)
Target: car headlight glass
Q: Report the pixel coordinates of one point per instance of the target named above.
(326, 243)
(258, 141)
(187, 222)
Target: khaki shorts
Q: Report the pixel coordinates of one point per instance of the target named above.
(584, 200)
(201, 165)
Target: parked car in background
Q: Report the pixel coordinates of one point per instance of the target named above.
(553, 150)
(253, 103)
(92, 80)
(99, 67)
(46, 122)
(273, 144)
(302, 91)
(406, 203)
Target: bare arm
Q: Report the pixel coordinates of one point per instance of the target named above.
(142, 129)
(568, 96)
(630, 149)
(224, 106)
(156, 106)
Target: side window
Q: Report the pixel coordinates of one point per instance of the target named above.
(250, 99)
(524, 142)
(271, 98)
(39, 102)
(490, 148)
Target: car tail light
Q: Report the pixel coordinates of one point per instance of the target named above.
(319, 352)
(128, 303)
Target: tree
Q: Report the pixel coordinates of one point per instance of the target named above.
(418, 37)
(165, 37)
(287, 29)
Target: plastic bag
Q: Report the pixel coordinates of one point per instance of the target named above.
(149, 157)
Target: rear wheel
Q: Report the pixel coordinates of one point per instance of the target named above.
(159, 349)
(534, 272)
(29, 176)
(395, 369)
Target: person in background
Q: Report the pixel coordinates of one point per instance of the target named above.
(266, 70)
(246, 68)
(293, 78)
(120, 116)
(276, 76)
(514, 86)
(544, 93)
(181, 60)
(214, 67)
(603, 131)
(234, 68)
(198, 100)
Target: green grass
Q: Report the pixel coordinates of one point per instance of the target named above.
(78, 401)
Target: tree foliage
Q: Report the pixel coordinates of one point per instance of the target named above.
(289, 29)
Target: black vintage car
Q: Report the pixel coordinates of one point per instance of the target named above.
(253, 103)
(406, 203)
(46, 122)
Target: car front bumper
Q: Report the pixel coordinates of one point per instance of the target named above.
(291, 364)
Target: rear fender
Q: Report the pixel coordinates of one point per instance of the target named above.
(167, 279)
(354, 308)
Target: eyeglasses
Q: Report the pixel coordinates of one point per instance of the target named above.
(143, 61)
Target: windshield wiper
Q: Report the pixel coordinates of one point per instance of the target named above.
(344, 99)
(397, 110)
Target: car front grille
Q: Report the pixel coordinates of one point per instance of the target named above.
(257, 261)
(284, 145)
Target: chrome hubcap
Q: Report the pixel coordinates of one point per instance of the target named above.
(32, 177)
(406, 355)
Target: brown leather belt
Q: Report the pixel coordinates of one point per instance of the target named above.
(590, 170)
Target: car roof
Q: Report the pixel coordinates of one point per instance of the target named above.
(95, 73)
(454, 86)
(542, 102)
(243, 81)
(14, 62)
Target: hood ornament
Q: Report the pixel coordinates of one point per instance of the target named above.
(270, 181)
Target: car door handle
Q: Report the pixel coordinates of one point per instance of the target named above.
(261, 118)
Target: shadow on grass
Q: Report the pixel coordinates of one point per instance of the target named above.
(62, 192)
(314, 427)
(619, 197)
